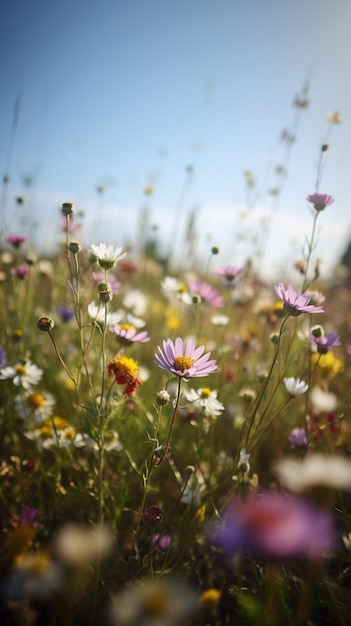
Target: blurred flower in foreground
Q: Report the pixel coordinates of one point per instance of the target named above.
(206, 292)
(320, 200)
(34, 577)
(274, 526)
(24, 374)
(37, 404)
(205, 399)
(161, 602)
(315, 470)
(107, 256)
(124, 369)
(184, 361)
(20, 272)
(295, 386)
(295, 304)
(78, 546)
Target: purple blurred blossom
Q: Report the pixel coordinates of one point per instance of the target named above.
(323, 344)
(3, 358)
(65, 314)
(21, 271)
(320, 200)
(298, 437)
(27, 517)
(15, 240)
(275, 526)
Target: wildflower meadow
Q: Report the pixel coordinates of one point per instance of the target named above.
(175, 435)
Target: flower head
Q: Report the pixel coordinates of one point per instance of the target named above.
(229, 272)
(295, 386)
(298, 438)
(323, 344)
(275, 526)
(15, 240)
(24, 374)
(320, 200)
(127, 334)
(124, 369)
(205, 399)
(107, 256)
(184, 361)
(206, 292)
(38, 404)
(295, 304)
(316, 470)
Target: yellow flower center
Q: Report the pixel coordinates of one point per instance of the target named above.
(182, 363)
(155, 601)
(38, 563)
(205, 392)
(36, 400)
(51, 424)
(181, 289)
(127, 327)
(20, 370)
(126, 366)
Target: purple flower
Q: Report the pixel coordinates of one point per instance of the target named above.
(126, 334)
(15, 240)
(298, 438)
(295, 304)
(65, 314)
(275, 526)
(161, 542)
(320, 200)
(206, 292)
(187, 362)
(3, 358)
(27, 517)
(323, 344)
(21, 271)
(229, 272)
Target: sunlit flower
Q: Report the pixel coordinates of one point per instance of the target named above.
(322, 400)
(125, 371)
(36, 404)
(174, 288)
(184, 361)
(274, 526)
(15, 240)
(320, 200)
(206, 292)
(334, 117)
(24, 374)
(107, 256)
(97, 313)
(53, 432)
(220, 320)
(295, 386)
(324, 343)
(152, 602)
(127, 334)
(315, 470)
(295, 304)
(79, 546)
(34, 577)
(205, 399)
(328, 363)
(210, 598)
(136, 301)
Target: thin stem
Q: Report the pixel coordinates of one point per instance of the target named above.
(167, 444)
(61, 359)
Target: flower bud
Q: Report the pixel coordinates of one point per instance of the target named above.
(162, 397)
(67, 208)
(105, 296)
(45, 324)
(153, 514)
(74, 247)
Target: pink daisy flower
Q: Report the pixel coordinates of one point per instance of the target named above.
(184, 361)
(320, 200)
(126, 333)
(229, 272)
(206, 292)
(295, 304)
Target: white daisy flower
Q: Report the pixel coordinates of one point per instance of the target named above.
(295, 386)
(174, 288)
(107, 256)
(24, 374)
(316, 470)
(37, 404)
(323, 401)
(97, 313)
(205, 399)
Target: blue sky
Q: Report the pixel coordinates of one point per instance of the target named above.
(128, 93)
